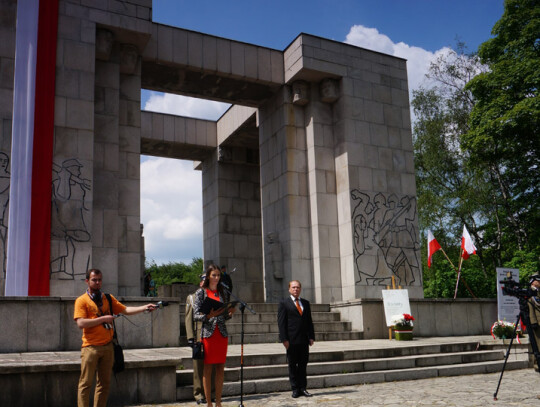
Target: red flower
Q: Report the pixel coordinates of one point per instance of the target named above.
(408, 317)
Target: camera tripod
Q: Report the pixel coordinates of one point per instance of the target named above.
(525, 317)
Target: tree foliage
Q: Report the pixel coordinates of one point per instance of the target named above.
(476, 141)
(176, 272)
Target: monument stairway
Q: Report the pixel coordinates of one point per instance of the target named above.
(261, 327)
(267, 372)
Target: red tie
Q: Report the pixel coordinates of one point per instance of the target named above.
(298, 306)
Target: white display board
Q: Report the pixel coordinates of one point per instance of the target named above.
(507, 305)
(396, 302)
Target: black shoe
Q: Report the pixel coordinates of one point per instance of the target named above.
(305, 393)
(201, 401)
(296, 394)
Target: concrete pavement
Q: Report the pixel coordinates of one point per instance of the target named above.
(518, 388)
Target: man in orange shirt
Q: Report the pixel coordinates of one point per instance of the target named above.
(94, 317)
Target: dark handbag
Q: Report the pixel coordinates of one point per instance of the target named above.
(119, 365)
(198, 351)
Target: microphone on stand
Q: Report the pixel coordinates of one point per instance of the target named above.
(224, 285)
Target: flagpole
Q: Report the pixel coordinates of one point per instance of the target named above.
(459, 272)
(454, 267)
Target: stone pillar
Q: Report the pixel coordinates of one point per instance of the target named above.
(232, 218)
(73, 155)
(106, 164)
(322, 192)
(284, 192)
(129, 208)
(378, 223)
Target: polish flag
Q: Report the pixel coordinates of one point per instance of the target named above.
(29, 228)
(433, 246)
(467, 244)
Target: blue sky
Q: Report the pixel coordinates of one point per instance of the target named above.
(418, 30)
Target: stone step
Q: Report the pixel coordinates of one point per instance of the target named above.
(269, 385)
(234, 339)
(185, 377)
(263, 328)
(404, 350)
(271, 317)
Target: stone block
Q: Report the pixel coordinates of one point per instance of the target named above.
(379, 180)
(365, 179)
(67, 83)
(408, 184)
(13, 319)
(374, 112)
(195, 51)
(65, 143)
(223, 56)
(79, 56)
(165, 43)
(393, 181)
(237, 59)
(209, 49)
(180, 47)
(393, 116)
(251, 64)
(80, 114)
(385, 158)
(44, 333)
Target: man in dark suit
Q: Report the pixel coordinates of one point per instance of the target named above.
(297, 335)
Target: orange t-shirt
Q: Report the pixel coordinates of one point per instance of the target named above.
(86, 308)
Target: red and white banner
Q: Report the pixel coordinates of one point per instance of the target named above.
(29, 228)
(433, 246)
(467, 244)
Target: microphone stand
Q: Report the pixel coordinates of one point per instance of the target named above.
(243, 305)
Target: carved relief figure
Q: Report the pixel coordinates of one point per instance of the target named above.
(4, 208)
(385, 239)
(68, 215)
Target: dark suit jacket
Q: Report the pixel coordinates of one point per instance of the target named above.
(292, 327)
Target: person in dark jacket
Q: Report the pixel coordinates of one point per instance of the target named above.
(297, 334)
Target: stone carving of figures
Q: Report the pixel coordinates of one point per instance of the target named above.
(68, 212)
(4, 208)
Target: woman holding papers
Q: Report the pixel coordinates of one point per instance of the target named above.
(209, 307)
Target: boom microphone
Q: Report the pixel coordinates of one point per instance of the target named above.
(224, 285)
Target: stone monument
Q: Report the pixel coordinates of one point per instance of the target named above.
(308, 176)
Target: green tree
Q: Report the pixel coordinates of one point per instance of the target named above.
(450, 193)
(175, 272)
(504, 133)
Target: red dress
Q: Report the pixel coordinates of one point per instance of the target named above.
(215, 347)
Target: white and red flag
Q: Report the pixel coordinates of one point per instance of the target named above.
(467, 244)
(433, 246)
(29, 228)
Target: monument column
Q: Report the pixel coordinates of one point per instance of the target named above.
(232, 218)
(284, 194)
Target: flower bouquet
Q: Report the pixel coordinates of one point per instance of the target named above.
(504, 330)
(403, 326)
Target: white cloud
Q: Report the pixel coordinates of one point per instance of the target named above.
(171, 210)
(185, 106)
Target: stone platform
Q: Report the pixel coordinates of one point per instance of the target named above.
(50, 378)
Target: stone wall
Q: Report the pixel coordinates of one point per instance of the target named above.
(40, 324)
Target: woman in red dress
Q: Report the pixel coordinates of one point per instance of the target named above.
(214, 332)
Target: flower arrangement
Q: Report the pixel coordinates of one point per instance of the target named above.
(503, 330)
(402, 320)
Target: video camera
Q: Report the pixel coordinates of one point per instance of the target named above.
(516, 289)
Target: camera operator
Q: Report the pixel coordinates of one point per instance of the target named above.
(534, 311)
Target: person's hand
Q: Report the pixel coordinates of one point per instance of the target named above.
(232, 311)
(191, 342)
(286, 344)
(107, 319)
(215, 312)
(151, 307)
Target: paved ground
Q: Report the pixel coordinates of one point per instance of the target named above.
(518, 388)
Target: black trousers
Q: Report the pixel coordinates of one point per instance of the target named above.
(298, 358)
